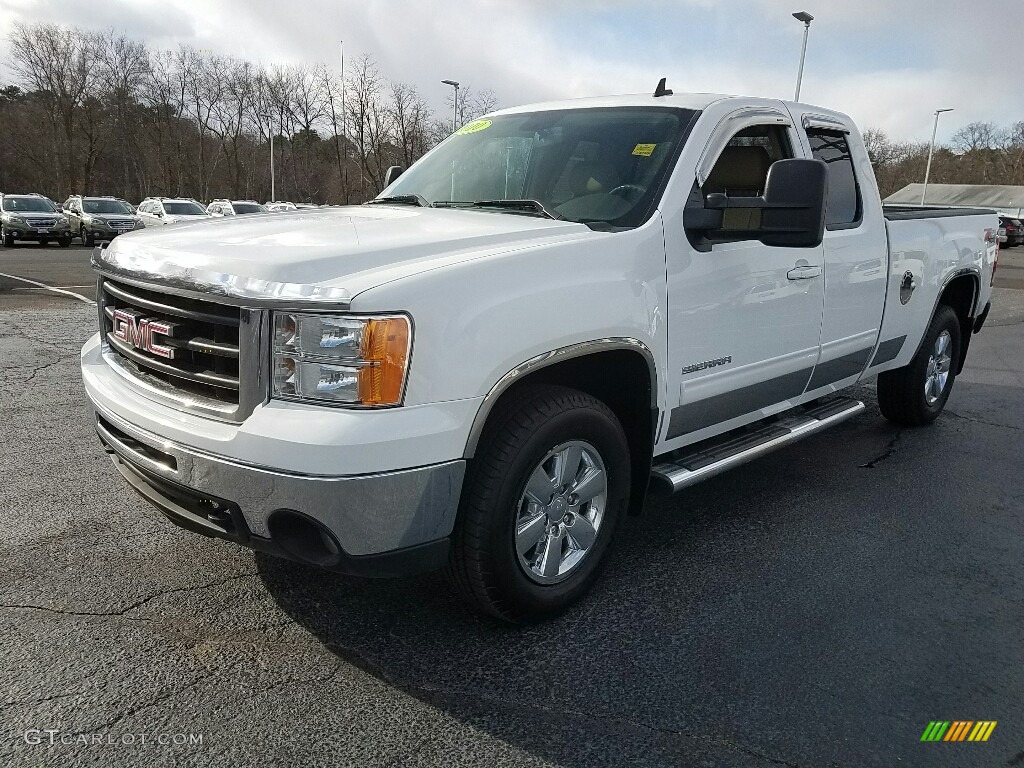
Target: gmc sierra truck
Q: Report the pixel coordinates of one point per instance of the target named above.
(558, 308)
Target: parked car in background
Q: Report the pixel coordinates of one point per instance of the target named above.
(32, 217)
(170, 210)
(279, 205)
(1014, 231)
(99, 218)
(234, 207)
(303, 206)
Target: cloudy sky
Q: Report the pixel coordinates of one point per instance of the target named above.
(888, 63)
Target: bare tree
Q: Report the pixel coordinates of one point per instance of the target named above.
(60, 63)
(975, 136)
(102, 113)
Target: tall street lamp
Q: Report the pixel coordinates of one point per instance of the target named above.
(931, 149)
(806, 18)
(455, 115)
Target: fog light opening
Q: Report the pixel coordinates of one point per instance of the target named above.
(304, 538)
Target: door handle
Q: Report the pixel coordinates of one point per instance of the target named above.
(804, 272)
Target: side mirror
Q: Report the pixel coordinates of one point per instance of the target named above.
(792, 208)
(795, 194)
(392, 173)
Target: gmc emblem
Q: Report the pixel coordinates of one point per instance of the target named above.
(139, 331)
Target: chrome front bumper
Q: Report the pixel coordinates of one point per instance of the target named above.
(369, 516)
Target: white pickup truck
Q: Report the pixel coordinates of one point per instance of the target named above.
(557, 308)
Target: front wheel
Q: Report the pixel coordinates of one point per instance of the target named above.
(542, 498)
(88, 239)
(65, 242)
(916, 394)
(6, 238)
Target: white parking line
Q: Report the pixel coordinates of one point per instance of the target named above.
(72, 294)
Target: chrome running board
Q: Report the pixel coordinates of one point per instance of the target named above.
(706, 459)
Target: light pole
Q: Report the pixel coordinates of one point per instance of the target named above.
(806, 18)
(931, 149)
(455, 115)
(273, 197)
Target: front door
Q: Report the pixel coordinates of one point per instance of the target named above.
(744, 318)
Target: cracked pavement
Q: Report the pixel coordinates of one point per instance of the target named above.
(799, 611)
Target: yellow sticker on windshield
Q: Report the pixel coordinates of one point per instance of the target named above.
(644, 150)
(474, 127)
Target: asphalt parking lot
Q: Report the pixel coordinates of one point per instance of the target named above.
(817, 607)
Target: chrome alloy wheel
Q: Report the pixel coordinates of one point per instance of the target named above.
(937, 374)
(560, 511)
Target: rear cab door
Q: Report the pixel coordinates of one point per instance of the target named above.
(855, 250)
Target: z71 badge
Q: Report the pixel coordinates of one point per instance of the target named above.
(707, 364)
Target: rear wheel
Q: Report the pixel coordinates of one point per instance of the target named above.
(916, 394)
(541, 502)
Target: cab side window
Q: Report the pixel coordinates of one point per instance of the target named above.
(843, 201)
(742, 171)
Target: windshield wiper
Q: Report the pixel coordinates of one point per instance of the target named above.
(522, 206)
(401, 200)
(529, 206)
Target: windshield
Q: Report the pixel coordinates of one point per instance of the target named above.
(29, 204)
(184, 209)
(104, 206)
(589, 165)
(248, 208)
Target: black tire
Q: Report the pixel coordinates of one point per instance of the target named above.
(6, 238)
(43, 243)
(901, 392)
(65, 242)
(88, 239)
(484, 565)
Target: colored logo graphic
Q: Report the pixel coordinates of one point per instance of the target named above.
(958, 730)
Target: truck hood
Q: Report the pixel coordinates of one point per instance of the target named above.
(322, 255)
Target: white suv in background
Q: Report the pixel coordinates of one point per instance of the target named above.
(169, 210)
(234, 207)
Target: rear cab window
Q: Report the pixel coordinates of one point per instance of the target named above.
(843, 206)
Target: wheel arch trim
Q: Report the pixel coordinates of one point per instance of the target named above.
(547, 359)
(972, 272)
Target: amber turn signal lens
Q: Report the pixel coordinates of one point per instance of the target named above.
(386, 347)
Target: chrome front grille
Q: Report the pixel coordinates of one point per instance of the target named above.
(121, 224)
(186, 351)
(41, 222)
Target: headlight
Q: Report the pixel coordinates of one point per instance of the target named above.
(15, 219)
(341, 359)
(138, 224)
